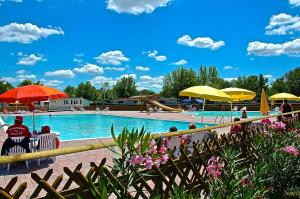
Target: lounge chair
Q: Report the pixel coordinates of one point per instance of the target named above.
(17, 150)
(46, 142)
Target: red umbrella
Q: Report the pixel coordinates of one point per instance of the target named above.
(31, 93)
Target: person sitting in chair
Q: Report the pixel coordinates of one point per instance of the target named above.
(17, 130)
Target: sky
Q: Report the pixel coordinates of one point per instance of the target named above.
(65, 42)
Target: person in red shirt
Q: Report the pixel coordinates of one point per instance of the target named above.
(18, 129)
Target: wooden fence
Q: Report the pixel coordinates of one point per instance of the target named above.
(188, 171)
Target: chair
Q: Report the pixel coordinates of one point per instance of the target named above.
(175, 142)
(46, 142)
(17, 150)
(235, 108)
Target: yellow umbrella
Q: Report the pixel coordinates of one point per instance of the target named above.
(206, 93)
(239, 94)
(283, 96)
(264, 107)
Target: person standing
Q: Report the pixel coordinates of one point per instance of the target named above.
(286, 108)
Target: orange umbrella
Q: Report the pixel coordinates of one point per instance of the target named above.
(31, 93)
(264, 107)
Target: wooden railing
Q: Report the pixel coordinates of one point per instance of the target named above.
(109, 143)
(188, 171)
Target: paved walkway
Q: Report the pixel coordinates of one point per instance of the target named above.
(72, 160)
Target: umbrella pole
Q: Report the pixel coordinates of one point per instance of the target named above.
(203, 109)
(231, 110)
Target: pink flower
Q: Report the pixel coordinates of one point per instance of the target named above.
(266, 121)
(148, 162)
(291, 150)
(141, 159)
(166, 141)
(278, 125)
(134, 160)
(164, 159)
(163, 149)
(214, 168)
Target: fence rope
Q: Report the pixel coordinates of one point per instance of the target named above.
(111, 143)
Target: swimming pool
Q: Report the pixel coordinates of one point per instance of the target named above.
(82, 126)
(227, 114)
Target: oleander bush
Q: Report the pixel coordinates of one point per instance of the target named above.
(267, 166)
(273, 171)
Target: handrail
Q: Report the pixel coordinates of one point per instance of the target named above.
(110, 143)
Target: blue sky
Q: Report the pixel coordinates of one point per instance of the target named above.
(65, 42)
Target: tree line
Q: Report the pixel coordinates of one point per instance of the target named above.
(182, 78)
(177, 80)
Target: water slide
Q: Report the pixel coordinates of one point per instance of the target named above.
(164, 107)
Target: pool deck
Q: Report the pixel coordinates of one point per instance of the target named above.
(72, 160)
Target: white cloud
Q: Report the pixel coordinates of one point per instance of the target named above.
(115, 57)
(228, 67)
(135, 7)
(25, 77)
(115, 68)
(180, 62)
(21, 72)
(89, 68)
(148, 82)
(230, 79)
(142, 68)
(30, 60)
(15, 1)
(200, 42)
(295, 2)
(52, 83)
(128, 75)
(282, 24)
(154, 54)
(8, 79)
(98, 80)
(79, 54)
(26, 33)
(268, 76)
(77, 60)
(61, 73)
(290, 48)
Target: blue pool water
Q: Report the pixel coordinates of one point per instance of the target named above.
(227, 114)
(80, 126)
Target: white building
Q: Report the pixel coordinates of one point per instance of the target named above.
(68, 104)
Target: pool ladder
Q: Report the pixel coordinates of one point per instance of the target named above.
(221, 117)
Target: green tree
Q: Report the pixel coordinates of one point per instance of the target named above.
(5, 86)
(87, 91)
(278, 86)
(70, 90)
(178, 80)
(125, 87)
(29, 82)
(203, 76)
(292, 79)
